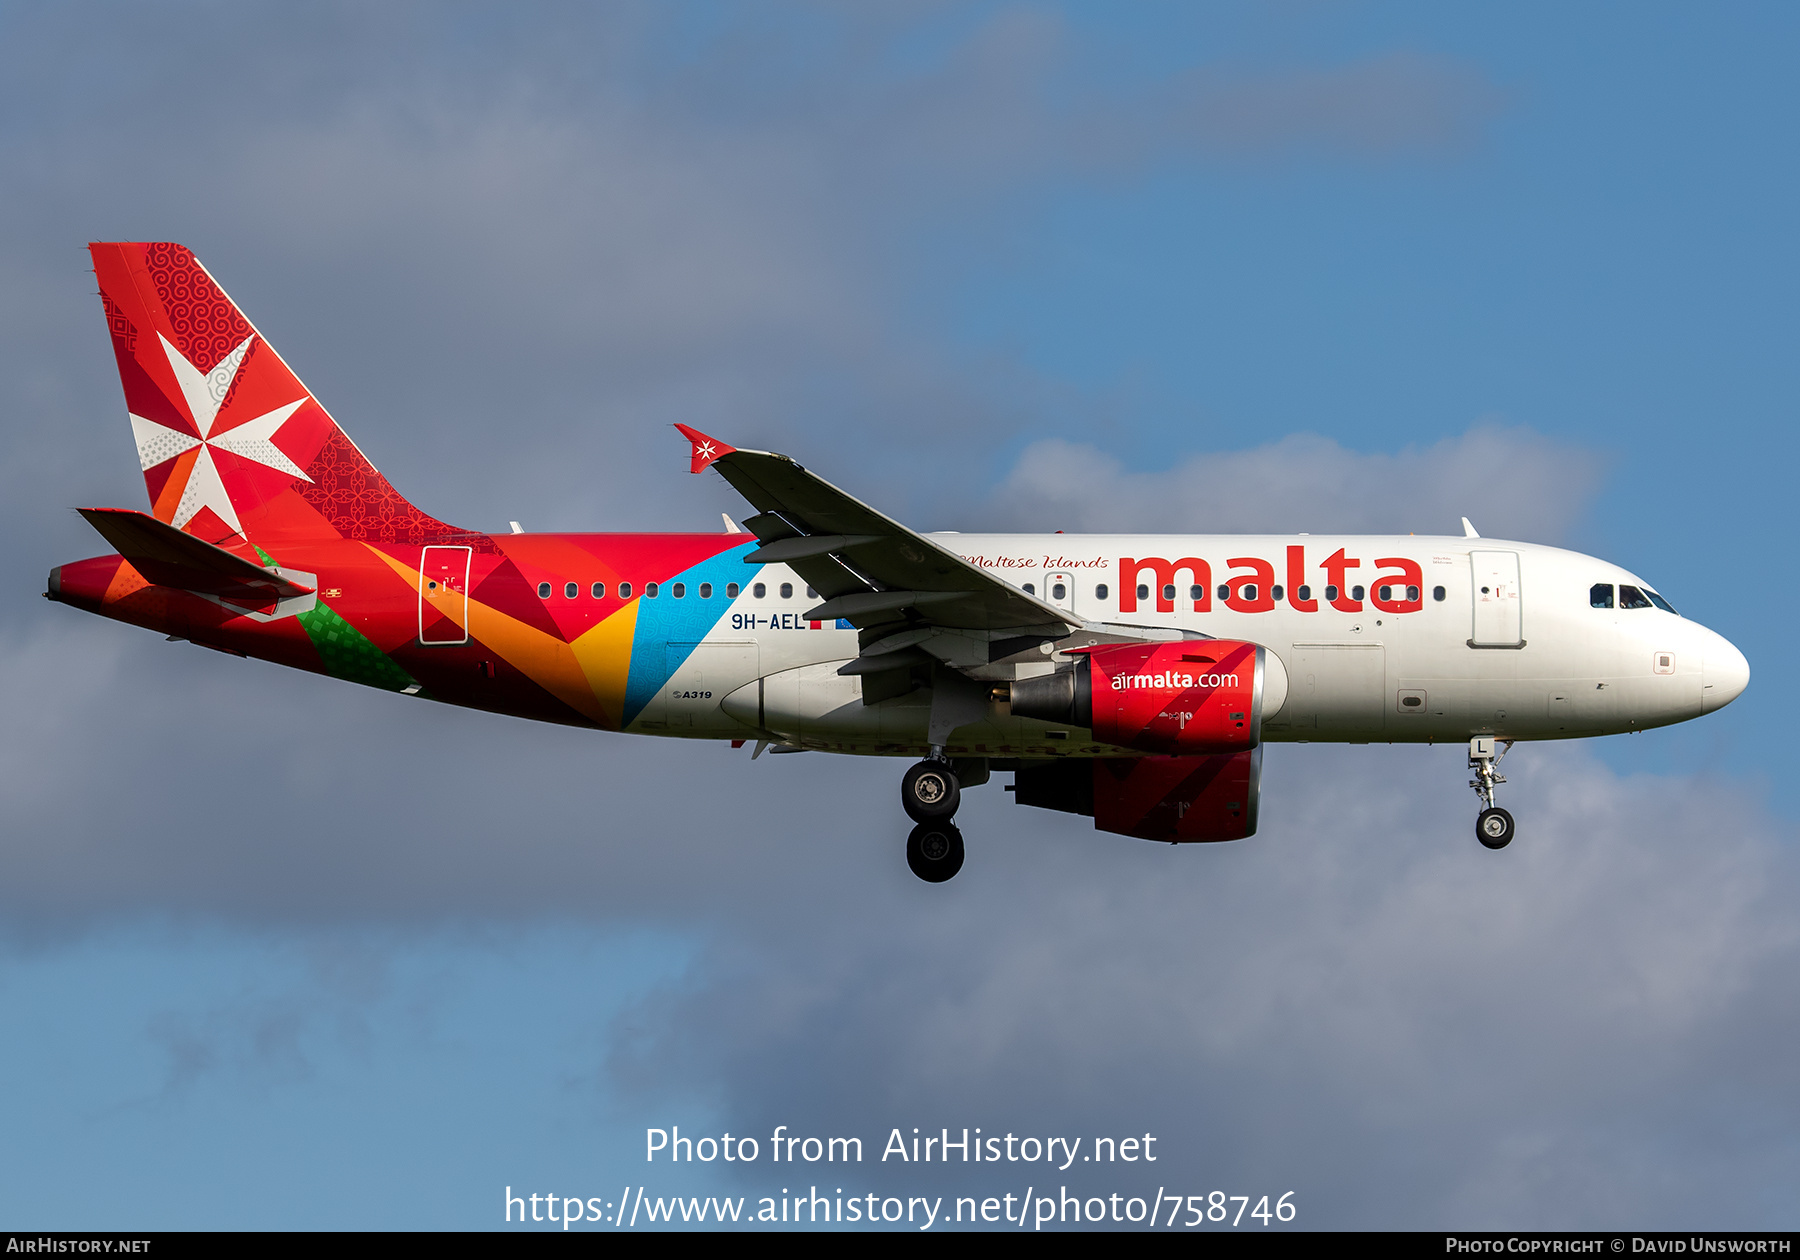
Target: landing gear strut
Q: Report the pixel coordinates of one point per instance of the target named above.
(930, 793)
(1494, 828)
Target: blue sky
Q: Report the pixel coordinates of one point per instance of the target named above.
(277, 952)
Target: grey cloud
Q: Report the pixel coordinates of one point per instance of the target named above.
(1511, 482)
(1360, 1004)
(519, 231)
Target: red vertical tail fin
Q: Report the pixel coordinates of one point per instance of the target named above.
(232, 445)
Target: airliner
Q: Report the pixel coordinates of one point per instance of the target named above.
(1133, 679)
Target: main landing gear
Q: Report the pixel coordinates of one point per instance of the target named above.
(1494, 827)
(930, 793)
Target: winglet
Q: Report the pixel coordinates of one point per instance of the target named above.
(706, 449)
(1468, 529)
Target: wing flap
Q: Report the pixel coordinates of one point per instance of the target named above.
(785, 550)
(871, 570)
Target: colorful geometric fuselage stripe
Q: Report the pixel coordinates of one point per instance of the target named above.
(235, 450)
(577, 659)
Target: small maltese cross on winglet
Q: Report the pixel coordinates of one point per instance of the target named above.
(706, 449)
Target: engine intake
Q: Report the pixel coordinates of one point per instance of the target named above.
(1199, 696)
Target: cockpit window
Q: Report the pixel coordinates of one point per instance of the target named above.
(1600, 595)
(1632, 597)
(1660, 602)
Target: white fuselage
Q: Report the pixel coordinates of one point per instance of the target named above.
(1382, 638)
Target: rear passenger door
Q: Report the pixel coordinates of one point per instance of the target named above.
(444, 595)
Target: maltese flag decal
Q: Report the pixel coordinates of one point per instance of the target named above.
(706, 449)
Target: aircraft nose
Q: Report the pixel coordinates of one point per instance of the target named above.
(1724, 674)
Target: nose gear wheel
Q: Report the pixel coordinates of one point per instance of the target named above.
(1494, 827)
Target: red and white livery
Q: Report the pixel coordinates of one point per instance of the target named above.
(1134, 679)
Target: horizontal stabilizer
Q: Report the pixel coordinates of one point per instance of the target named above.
(168, 557)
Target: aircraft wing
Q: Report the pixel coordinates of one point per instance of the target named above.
(869, 570)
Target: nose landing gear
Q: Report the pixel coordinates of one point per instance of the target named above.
(1494, 827)
(930, 793)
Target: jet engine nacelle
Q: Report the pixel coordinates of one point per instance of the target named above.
(1197, 696)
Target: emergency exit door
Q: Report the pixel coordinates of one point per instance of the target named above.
(1494, 586)
(444, 595)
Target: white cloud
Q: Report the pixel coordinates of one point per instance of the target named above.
(1511, 482)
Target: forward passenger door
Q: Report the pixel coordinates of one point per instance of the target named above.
(1498, 621)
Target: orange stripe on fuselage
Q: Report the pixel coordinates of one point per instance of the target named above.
(126, 581)
(543, 658)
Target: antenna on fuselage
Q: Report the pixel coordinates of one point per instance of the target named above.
(1469, 530)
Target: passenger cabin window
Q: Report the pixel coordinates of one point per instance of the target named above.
(731, 590)
(1059, 591)
(649, 590)
(1437, 593)
(543, 590)
(1305, 593)
(1224, 592)
(1196, 593)
(1275, 592)
(811, 593)
(1384, 592)
(1143, 592)
(599, 590)
(571, 591)
(1632, 597)
(624, 590)
(1100, 591)
(1356, 592)
(1412, 594)
(1169, 591)
(1030, 589)
(787, 590)
(706, 590)
(759, 590)
(1660, 602)
(680, 590)
(1600, 595)
(1248, 592)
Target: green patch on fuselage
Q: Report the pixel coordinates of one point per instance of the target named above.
(348, 653)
